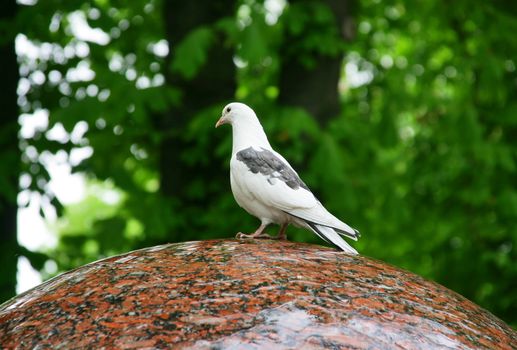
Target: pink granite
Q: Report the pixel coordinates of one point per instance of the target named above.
(253, 294)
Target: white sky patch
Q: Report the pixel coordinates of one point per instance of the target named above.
(27, 277)
(55, 22)
(24, 85)
(31, 123)
(116, 62)
(77, 134)
(37, 77)
(111, 197)
(55, 76)
(57, 133)
(82, 30)
(27, 2)
(78, 154)
(69, 188)
(80, 73)
(33, 232)
(26, 48)
(131, 74)
(274, 9)
(160, 48)
(239, 62)
(143, 82)
(243, 16)
(354, 77)
(158, 80)
(82, 49)
(386, 61)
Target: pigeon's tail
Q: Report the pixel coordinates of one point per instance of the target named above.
(320, 216)
(331, 236)
(350, 233)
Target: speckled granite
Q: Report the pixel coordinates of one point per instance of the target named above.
(245, 294)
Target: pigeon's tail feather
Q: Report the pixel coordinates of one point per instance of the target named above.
(352, 233)
(331, 236)
(314, 229)
(321, 217)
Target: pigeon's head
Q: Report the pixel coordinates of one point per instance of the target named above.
(236, 112)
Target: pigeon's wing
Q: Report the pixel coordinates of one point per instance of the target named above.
(272, 181)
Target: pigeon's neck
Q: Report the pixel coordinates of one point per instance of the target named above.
(249, 134)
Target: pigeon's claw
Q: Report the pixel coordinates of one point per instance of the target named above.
(259, 233)
(241, 235)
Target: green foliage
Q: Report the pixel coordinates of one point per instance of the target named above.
(191, 52)
(314, 22)
(422, 158)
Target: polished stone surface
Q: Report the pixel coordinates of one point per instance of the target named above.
(253, 294)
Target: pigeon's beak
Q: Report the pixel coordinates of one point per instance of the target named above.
(220, 122)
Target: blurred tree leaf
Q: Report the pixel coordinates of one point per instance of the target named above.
(191, 53)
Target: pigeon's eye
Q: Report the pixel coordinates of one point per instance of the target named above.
(228, 109)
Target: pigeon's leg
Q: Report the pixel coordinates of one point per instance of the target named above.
(257, 234)
(281, 233)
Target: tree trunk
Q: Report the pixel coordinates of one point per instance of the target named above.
(9, 157)
(214, 83)
(315, 88)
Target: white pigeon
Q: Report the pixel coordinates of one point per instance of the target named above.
(267, 187)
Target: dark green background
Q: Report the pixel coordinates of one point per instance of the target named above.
(419, 154)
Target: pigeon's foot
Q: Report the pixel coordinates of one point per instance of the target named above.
(259, 233)
(241, 235)
(281, 234)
